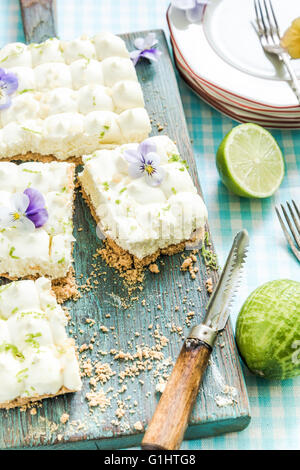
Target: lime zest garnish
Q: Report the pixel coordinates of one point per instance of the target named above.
(105, 186)
(31, 171)
(11, 251)
(5, 347)
(209, 257)
(31, 130)
(30, 339)
(26, 90)
(21, 375)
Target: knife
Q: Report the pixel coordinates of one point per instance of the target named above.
(169, 422)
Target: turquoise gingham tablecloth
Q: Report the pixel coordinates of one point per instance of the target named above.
(275, 406)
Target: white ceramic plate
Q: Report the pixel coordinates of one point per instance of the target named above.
(225, 98)
(239, 115)
(224, 50)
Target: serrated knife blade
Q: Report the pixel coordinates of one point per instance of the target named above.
(218, 307)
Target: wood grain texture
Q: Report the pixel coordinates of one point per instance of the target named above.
(170, 420)
(169, 289)
(38, 19)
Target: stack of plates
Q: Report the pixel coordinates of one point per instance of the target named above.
(222, 60)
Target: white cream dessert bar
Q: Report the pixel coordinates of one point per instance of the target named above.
(69, 98)
(36, 211)
(143, 196)
(37, 358)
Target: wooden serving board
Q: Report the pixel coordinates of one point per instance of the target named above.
(164, 302)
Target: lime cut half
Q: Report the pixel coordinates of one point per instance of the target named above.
(250, 162)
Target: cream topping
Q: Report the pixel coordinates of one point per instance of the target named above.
(46, 250)
(60, 84)
(36, 355)
(139, 217)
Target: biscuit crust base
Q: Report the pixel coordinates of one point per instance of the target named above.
(64, 288)
(129, 266)
(25, 401)
(38, 157)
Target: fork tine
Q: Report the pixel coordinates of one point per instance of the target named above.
(296, 208)
(287, 235)
(260, 18)
(274, 19)
(271, 29)
(296, 237)
(296, 222)
(256, 13)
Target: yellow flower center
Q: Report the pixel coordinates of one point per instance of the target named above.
(149, 169)
(16, 216)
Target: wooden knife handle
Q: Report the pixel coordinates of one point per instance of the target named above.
(38, 19)
(170, 420)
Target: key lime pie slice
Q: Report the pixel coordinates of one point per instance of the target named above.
(68, 98)
(37, 359)
(143, 199)
(36, 210)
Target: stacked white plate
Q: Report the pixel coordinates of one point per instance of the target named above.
(222, 60)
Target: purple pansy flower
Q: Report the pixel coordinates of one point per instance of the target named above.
(8, 85)
(26, 209)
(145, 162)
(146, 48)
(194, 9)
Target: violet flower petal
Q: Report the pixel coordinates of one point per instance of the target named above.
(36, 200)
(132, 156)
(8, 84)
(183, 4)
(139, 43)
(135, 56)
(136, 170)
(6, 218)
(11, 81)
(27, 225)
(195, 14)
(145, 48)
(153, 159)
(151, 54)
(146, 147)
(156, 178)
(19, 202)
(36, 211)
(150, 41)
(39, 217)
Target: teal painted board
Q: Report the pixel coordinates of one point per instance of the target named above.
(164, 304)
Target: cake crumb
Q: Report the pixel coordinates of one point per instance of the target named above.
(98, 399)
(209, 285)
(64, 418)
(154, 268)
(138, 426)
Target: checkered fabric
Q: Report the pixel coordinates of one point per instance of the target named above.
(275, 406)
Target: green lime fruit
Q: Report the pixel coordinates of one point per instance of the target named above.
(268, 330)
(250, 162)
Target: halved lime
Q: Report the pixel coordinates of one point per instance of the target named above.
(250, 162)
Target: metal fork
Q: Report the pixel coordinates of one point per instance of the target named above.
(269, 35)
(295, 229)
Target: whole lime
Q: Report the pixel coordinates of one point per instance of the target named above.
(268, 330)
